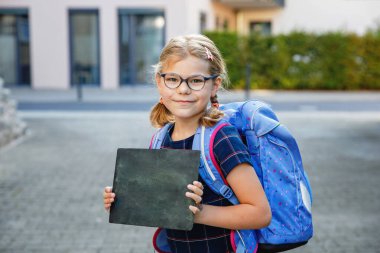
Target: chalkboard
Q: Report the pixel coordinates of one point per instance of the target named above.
(150, 187)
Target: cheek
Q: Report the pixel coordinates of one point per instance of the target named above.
(162, 90)
(166, 97)
(210, 91)
(205, 98)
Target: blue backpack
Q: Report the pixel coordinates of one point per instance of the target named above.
(278, 164)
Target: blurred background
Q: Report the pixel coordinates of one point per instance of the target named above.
(76, 84)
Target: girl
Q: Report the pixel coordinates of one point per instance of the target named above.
(188, 75)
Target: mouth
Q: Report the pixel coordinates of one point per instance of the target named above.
(183, 101)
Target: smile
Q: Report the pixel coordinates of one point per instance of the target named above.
(183, 101)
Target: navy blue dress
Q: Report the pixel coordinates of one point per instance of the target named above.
(229, 151)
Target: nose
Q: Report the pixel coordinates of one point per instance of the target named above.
(183, 87)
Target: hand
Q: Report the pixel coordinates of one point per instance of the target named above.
(108, 197)
(196, 195)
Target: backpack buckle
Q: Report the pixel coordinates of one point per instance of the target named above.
(226, 191)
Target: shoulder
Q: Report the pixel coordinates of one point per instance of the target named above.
(160, 136)
(225, 132)
(228, 140)
(229, 149)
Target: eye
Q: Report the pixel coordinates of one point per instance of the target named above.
(171, 79)
(196, 80)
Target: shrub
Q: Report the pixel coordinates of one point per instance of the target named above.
(301, 60)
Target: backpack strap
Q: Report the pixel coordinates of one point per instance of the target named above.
(261, 117)
(255, 119)
(209, 169)
(158, 137)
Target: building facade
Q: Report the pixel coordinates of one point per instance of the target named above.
(59, 44)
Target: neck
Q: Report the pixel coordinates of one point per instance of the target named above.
(184, 128)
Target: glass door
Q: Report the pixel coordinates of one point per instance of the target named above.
(141, 38)
(14, 47)
(84, 47)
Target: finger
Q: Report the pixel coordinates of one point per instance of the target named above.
(195, 189)
(198, 184)
(109, 200)
(194, 209)
(108, 189)
(194, 197)
(107, 206)
(109, 195)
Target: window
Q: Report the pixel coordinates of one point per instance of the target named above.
(84, 47)
(263, 28)
(203, 22)
(141, 39)
(225, 25)
(217, 25)
(14, 46)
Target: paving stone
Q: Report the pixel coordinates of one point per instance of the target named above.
(51, 183)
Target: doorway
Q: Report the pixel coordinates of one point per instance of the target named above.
(141, 39)
(14, 47)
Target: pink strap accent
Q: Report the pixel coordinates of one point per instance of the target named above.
(155, 241)
(151, 141)
(211, 149)
(153, 138)
(232, 240)
(256, 248)
(233, 243)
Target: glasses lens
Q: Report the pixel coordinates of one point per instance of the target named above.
(172, 80)
(196, 82)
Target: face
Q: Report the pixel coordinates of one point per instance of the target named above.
(183, 102)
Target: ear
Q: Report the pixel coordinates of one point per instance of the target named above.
(217, 83)
(158, 78)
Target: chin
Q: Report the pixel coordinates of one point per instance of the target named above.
(188, 115)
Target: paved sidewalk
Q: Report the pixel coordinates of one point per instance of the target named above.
(143, 98)
(51, 182)
(51, 186)
(148, 93)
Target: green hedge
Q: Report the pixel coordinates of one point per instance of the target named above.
(299, 60)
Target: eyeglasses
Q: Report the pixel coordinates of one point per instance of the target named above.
(195, 82)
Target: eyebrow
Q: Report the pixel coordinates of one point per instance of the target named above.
(197, 74)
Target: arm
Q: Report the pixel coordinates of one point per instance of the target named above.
(253, 212)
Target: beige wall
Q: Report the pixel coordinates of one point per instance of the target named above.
(49, 31)
(224, 13)
(310, 15)
(244, 18)
(328, 15)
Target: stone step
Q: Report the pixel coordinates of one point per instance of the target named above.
(11, 126)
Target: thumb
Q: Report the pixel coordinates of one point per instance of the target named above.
(108, 189)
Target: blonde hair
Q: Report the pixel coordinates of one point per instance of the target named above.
(181, 47)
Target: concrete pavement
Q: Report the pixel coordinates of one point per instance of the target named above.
(143, 98)
(148, 93)
(51, 180)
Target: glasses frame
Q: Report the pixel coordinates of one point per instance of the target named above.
(206, 78)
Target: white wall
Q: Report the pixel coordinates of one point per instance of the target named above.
(49, 29)
(327, 15)
(194, 9)
(50, 63)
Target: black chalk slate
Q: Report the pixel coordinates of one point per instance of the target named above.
(150, 186)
